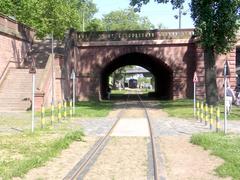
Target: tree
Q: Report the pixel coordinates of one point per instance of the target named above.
(47, 16)
(216, 26)
(126, 19)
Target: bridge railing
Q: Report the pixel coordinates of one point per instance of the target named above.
(135, 35)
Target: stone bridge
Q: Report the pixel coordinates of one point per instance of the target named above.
(172, 56)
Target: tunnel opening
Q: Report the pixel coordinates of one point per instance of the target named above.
(161, 72)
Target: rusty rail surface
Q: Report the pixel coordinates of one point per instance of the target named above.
(135, 35)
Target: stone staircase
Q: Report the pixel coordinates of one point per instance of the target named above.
(16, 90)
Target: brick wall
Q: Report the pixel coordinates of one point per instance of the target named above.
(15, 39)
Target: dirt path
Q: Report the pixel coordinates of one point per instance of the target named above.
(184, 160)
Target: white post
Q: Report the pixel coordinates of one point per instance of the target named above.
(194, 99)
(52, 64)
(225, 95)
(73, 77)
(33, 100)
(74, 92)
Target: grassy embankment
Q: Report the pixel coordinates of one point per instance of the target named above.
(20, 152)
(225, 146)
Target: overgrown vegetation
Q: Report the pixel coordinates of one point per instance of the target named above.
(21, 152)
(225, 146)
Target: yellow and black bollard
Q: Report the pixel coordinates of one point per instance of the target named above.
(206, 114)
(198, 111)
(43, 121)
(211, 117)
(65, 110)
(202, 111)
(52, 113)
(70, 109)
(59, 111)
(217, 119)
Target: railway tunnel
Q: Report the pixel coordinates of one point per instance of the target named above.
(161, 72)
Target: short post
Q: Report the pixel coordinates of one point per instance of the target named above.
(52, 113)
(202, 111)
(70, 109)
(217, 119)
(206, 114)
(59, 111)
(65, 110)
(198, 111)
(211, 117)
(43, 121)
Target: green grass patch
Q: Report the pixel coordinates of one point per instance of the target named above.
(183, 108)
(21, 152)
(93, 109)
(225, 146)
(85, 109)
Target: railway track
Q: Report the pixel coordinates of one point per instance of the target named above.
(81, 168)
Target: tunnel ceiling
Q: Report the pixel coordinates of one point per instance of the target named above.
(150, 63)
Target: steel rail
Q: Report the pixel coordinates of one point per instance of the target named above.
(82, 164)
(154, 152)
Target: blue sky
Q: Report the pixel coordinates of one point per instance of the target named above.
(157, 13)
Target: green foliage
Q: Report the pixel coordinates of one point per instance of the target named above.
(47, 16)
(216, 23)
(225, 146)
(25, 151)
(178, 108)
(126, 20)
(138, 3)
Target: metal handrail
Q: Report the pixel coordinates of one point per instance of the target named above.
(7, 67)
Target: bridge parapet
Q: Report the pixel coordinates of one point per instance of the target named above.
(135, 35)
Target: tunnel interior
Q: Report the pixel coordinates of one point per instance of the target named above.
(161, 72)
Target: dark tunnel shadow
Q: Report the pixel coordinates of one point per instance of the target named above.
(163, 74)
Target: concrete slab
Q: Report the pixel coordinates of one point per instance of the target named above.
(131, 127)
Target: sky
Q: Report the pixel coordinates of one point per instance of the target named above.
(157, 13)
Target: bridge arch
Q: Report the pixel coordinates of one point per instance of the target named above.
(163, 74)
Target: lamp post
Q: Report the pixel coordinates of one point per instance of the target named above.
(179, 16)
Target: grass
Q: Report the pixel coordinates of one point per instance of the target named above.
(21, 152)
(93, 109)
(184, 109)
(225, 146)
(86, 109)
(178, 108)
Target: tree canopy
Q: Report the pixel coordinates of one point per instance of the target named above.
(126, 19)
(216, 23)
(47, 16)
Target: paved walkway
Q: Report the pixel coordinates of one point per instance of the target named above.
(131, 127)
